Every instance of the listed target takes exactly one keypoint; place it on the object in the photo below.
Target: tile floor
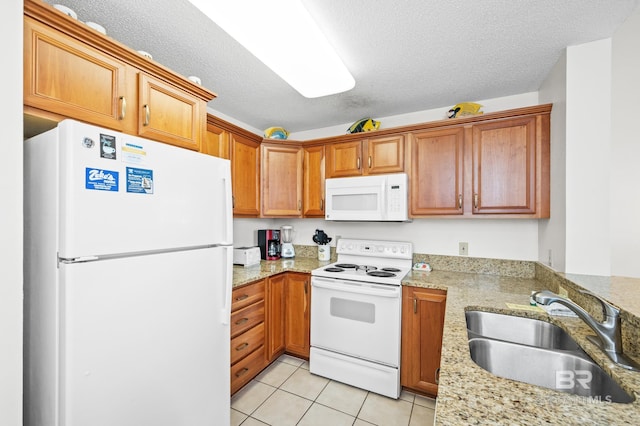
(287, 394)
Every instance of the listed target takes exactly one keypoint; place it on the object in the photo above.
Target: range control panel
(387, 249)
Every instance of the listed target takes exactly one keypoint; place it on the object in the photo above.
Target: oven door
(356, 319)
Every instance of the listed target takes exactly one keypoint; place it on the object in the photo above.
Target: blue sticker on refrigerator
(139, 181)
(101, 179)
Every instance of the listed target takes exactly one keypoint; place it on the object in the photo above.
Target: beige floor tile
(282, 409)
(305, 365)
(291, 360)
(405, 395)
(421, 416)
(342, 397)
(305, 384)
(360, 422)
(319, 415)
(276, 374)
(253, 422)
(425, 401)
(237, 417)
(247, 399)
(385, 411)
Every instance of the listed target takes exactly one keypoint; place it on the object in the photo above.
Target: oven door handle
(390, 291)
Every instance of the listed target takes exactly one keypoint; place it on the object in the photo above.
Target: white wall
(552, 235)
(504, 238)
(11, 217)
(625, 149)
(489, 105)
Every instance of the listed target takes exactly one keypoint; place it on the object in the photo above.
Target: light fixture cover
(282, 34)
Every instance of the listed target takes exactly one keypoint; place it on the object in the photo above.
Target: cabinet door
(297, 303)
(344, 159)
(216, 142)
(275, 316)
(64, 76)
(281, 180)
(437, 172)
(422, 322)
(169, 114)
(245, 176)
(504, 166)
(313, 182)
(384, 155)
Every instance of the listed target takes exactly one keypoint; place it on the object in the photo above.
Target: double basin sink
(540, 353)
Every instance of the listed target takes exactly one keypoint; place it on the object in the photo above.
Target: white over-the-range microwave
(375, 198)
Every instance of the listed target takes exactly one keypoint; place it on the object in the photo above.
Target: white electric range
(356, 314)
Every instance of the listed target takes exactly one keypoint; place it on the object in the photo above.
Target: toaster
(246, 256)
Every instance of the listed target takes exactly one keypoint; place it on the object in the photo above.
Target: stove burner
(391, 269)
(365, 268)
(383, 274)
(334, 269)
(346, 265)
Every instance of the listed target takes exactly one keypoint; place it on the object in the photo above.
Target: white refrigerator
(128, 275)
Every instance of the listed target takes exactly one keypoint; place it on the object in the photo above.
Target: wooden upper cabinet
(344, 159)
(245, 175)
(168, 114)
(69, 78)
(215, 142)
(313, 181)
(436, 177)
(384, 154)
(281, 180)
(504, 166)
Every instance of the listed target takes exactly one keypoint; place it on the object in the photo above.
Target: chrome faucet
(609, 331)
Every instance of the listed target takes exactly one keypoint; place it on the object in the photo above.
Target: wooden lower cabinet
(422, 323)
(297, 314)
(275, 316)
(247, 350)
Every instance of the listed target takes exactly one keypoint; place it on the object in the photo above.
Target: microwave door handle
(383, 198)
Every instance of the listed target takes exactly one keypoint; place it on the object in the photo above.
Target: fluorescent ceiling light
(282, 34)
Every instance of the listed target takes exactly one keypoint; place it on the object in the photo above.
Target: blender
(286, 238)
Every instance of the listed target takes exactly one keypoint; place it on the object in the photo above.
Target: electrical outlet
(550, 258)
(563, 292)
(463, 249)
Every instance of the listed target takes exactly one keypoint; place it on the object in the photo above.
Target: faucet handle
(608, 308)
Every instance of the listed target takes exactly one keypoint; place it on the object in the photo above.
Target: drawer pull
(242, 321)
(242, 372)
(242, 346)
(244, 296)
(438, 376)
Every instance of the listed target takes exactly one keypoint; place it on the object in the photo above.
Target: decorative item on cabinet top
(464, 109)
(276, 133)
(364, 125)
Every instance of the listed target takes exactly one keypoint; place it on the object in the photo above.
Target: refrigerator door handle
(228, 203)
(227, 287)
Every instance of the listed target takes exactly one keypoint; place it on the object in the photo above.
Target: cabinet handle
(123, 108)
(358, 163)
(242, 372)
(244, 296)
(233, 201)
(459, 201)
(321, 203)
(369, 161)
(242, 346)
(299, 205)
(306, 283)
(305, 287)
(147, 115)
(415, 305)
(242, 321)
(475, 200)
(438, 376)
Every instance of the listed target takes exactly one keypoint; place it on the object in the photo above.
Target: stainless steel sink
(526, 331)
(539, 353)
(558, 370)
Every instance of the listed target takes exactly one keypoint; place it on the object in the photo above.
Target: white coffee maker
(286, 244)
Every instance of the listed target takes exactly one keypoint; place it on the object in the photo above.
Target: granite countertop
(467, 394)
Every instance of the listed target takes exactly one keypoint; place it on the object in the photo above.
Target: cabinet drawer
(247, 295)
(247, 342)
(247, 318)
(246, 369)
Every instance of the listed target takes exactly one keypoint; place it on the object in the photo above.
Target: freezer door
(120, 194)
(142, 340)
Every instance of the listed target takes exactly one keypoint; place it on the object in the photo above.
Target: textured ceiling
(405, 55)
